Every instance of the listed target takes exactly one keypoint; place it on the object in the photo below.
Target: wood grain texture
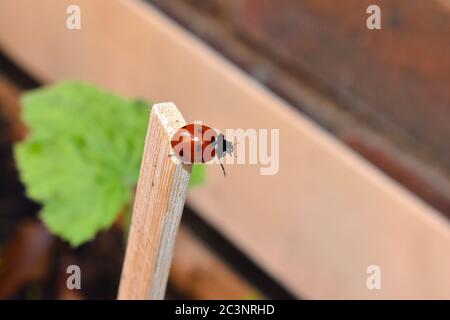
(315, 226)
(158, 205)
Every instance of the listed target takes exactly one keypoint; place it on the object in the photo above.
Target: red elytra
(196, 143)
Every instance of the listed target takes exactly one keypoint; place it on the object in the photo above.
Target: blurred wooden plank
(198, 273)
(329, 214)
(397, 77)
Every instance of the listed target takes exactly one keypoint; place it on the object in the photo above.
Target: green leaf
(82, 158)
(198, 175)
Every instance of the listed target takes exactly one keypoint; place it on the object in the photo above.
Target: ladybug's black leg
(223, 168)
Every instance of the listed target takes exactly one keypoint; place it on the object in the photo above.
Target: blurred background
(364, 119)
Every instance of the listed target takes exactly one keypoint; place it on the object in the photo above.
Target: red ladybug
(197, 143)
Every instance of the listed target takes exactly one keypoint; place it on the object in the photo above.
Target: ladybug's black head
(223, 146)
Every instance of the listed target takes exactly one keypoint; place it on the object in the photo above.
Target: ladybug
(197, 143)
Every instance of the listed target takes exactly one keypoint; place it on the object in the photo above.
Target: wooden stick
(158, 206)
